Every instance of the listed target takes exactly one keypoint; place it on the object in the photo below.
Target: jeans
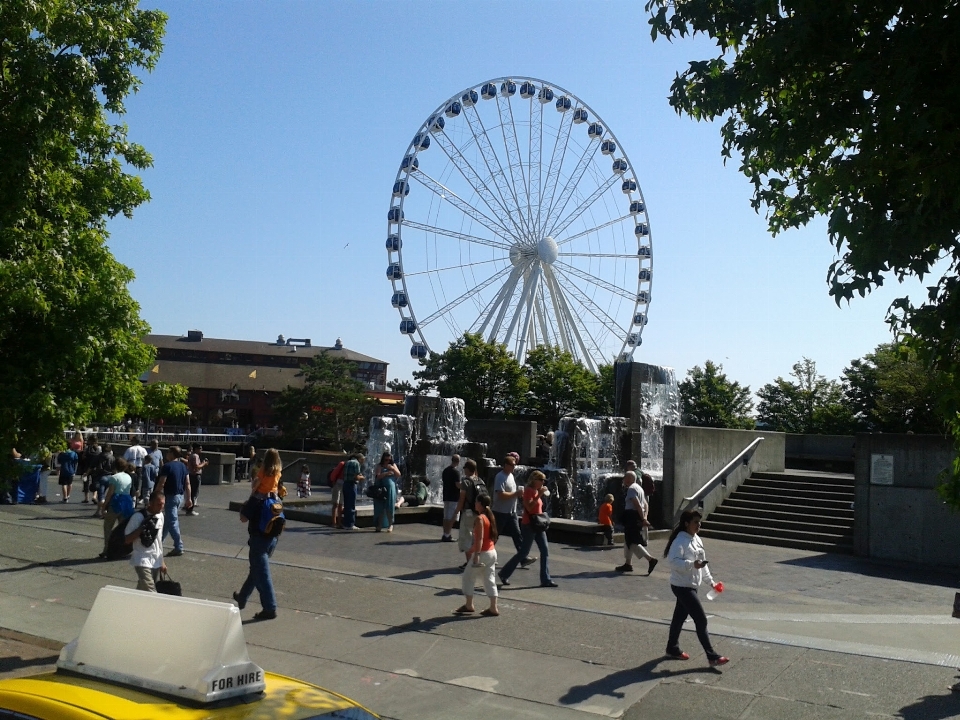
(171, 520)
(689, 604)
(261, 549)
(529, 537)
(509, 524)
(349, 504)
(195, 488)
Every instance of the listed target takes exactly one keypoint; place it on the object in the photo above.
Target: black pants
(194, 488)
(688, 604)
(509, 525)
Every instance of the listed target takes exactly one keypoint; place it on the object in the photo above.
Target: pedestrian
(195, 466)
(533, 494)
(385, 474)
(89, 459)
(144, 531)
(505, 495)
(351, 476)
(469, 489)
(116, 501)
(303, 484)
(420, 493)
(267, 479)
(336, 493)
(134, 457)
(634, 518)
(688, 570)
(150, 472)
(173, 481)
(261, 549)
(484, 564)
(605, 518)
(156, 454)
(451, 496)
(104, 467)
(76, 442)
(67, 460)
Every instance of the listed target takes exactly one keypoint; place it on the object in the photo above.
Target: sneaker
(462, 567)
(528, 561)
(716, 662)
(653, 564)
(446, 538)
(193, 513)
(503, 580)
(624, 568)
(677, 655)
(266, 615)
(175, 553)
(240, 603)
(549, 583)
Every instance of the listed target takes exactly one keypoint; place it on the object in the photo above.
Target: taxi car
(106, 675)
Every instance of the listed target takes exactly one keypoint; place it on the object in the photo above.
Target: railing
(742, 458)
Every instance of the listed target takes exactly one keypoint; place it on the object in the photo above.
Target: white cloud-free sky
(277, 129)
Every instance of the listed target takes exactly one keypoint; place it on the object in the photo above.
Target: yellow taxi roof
(71, 697)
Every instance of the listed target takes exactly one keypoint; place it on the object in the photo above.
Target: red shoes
(719, 661)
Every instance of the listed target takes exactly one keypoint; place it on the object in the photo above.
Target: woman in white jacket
(688, 570)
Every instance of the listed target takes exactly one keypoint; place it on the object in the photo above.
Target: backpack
(646, 482)
(475, 487)
(122, 505)
(117, 547)
(272, 518)
(148, 529)
(336, 473)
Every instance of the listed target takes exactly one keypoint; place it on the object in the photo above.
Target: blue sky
(277, 129)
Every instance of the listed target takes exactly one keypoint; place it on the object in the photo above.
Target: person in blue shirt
(67, 460)
(173, 481)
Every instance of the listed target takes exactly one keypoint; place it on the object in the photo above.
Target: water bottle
(714, 591)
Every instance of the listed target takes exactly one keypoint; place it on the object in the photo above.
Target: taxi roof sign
(205, 664)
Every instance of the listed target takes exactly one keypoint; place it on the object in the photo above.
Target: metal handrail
(742, 458)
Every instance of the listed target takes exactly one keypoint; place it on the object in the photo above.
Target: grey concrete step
(822, 478)
(800, 486)
(790, 521)
(812, 545)
(758, 504)
(779, 532)
(807, 499)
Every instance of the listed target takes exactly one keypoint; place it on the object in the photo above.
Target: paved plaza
(370, 615)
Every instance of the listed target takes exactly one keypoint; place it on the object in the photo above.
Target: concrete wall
(833, 453)
(320, 463)
(503, 436)
(692, 455)
(905, 520)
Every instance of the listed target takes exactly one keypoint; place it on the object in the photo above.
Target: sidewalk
(370, 615)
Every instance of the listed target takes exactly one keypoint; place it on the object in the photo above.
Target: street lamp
(189, 419)
(303, 438)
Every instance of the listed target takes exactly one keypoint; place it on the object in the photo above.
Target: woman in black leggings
(688, 570)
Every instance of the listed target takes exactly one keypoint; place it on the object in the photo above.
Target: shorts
(465, 538)
(336, 493)
(450, 510)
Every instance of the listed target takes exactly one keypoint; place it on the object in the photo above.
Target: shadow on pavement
(409, 542)
(611, 684)
(860, 566)
(60, 563)
(10, 664)
(420, 625)
(933, 707)
(426, 574)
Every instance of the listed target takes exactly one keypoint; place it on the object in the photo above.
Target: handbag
(377, 492)
(539, 523)
(167, 586)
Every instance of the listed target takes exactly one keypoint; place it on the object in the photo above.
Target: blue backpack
(272, 518)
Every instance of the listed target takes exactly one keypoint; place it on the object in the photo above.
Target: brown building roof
(251, 347)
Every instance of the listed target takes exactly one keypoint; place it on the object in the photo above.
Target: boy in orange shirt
(605, 518)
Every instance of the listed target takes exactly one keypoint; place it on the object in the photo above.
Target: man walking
(504, 506)
(261, 549)
(195, 468)
(351, 476)
(144, 531)
(634, 519)
(134, 457)
(451, 496)
(174, 484)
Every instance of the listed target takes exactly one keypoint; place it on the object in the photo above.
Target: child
(268, 477)
(303, 485)
(605, 518)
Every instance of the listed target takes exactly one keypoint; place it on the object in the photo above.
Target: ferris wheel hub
(547, 250)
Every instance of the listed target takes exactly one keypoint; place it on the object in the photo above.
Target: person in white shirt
(634, 518)
(144, 531)
(134, 457)
(688, 570)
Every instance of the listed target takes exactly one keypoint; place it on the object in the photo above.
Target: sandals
(489, 613)
(463, 610)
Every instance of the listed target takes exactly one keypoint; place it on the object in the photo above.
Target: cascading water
(392, 434)
(660, 406)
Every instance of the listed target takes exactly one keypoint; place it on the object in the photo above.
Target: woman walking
(386, 474)
(533, 494)
(688, 570)
(484, 560)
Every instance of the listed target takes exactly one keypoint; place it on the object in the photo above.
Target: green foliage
(810, 404)
(891, 391)
(70, 348)
(558, 385)
(605, 402)
(404, 386)
(484, 374)
(162, 400)
(709, 399)
(330, 405)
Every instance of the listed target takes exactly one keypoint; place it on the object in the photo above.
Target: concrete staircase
(802, 509)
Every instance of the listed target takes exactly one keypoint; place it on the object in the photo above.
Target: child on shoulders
(267, 478)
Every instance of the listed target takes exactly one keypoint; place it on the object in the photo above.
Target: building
(238, 380)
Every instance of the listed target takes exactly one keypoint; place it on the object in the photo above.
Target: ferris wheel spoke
(573, 323)
(473, 178)
(601, 226)
(553, 172)
(562, 225)
(491, 160)
(463, 237)
(444, 193)
(501, 303)
(590, 306)
(619, 256)
(565, 268)
(556, 301)
(524, 307)
(512, 147)
(467, 295)
(573, 181)
(433, 271)
(534, 153)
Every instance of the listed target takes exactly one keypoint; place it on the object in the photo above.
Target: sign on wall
(881, 469)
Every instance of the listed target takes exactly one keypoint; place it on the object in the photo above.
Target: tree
(846, 110)
(558, 385)
(891, 391)
(404, 386)
(331, 404)
(605, 402)
(709, 399)
(810, 405)
(162, 401)
(70, 347)
(484, 374)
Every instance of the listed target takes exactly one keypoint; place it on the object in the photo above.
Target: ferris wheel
(516, 214)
